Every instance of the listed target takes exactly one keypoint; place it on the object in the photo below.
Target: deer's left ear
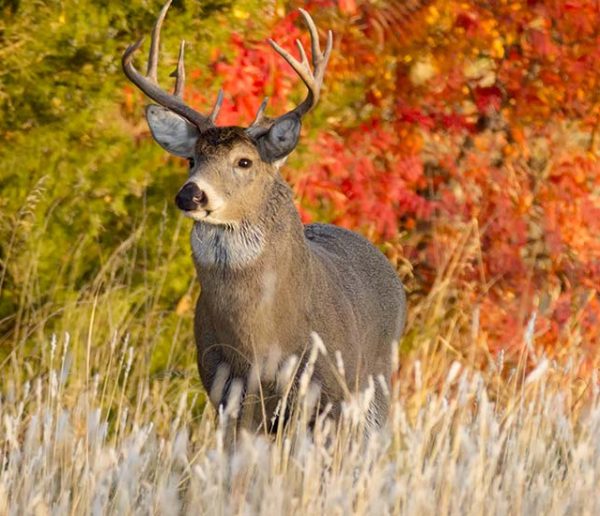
(281, 138)
(172, 132)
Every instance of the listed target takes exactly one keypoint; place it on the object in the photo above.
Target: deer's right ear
(172, 132)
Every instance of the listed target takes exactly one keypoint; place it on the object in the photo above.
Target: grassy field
(88, 427)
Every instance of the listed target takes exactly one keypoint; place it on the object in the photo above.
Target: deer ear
(281, 138)
(172, 132)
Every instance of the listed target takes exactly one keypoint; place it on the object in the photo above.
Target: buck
(268, 282)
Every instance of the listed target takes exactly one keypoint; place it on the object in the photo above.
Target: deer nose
(190, 197)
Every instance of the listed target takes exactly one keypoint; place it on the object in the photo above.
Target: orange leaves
(128, 98)
(347, 6)
(572, 219)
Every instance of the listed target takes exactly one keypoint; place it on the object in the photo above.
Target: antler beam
(149, 83)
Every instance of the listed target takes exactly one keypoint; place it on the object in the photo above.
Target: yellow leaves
(433, 15)
(422, 70)
(497, 49)
(440, 17)
(239, 13)
(539, 23)
(88, 69)
(482, 70)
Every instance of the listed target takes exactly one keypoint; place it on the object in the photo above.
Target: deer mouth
(198, 215)
(208, 217)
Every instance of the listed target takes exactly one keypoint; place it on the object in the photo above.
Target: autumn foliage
(468, 118)
(460, 136)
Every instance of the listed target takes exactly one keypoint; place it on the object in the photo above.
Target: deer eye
(191, 162)
(244, 163)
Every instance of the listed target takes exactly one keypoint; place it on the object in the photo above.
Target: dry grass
(87, 427)
(449, 450)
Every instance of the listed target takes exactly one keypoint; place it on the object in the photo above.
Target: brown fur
(268, 283)
(315, 278)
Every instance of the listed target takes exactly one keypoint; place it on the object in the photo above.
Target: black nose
(190, 197)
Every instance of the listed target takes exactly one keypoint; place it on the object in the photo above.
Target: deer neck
(253, 287)
(262, 240)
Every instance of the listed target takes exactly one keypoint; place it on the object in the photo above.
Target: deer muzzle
(190, 197)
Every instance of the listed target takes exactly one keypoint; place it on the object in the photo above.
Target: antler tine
(149, 84)
(151, 72)
(302, 54)
(260, 114)
(314, 37)
(217, 107)
(328, 48)
(179, 72)
(312, 78)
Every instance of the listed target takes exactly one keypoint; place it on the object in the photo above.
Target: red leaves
(467, 21)
(542, 44)
(416, 116)
(368, 181)
(255, 71)
(495, 128)
(454, 122)
(488, 99)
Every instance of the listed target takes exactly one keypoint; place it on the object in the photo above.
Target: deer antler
(313, 79)
(149, 83)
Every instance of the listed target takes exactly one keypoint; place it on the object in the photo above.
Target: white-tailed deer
(268, 282)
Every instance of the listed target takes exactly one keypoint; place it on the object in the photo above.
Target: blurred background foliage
(460, 136)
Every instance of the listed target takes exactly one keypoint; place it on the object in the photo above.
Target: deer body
(315, 278)
(268, 282)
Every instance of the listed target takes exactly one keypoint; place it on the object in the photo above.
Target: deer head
(230, 167)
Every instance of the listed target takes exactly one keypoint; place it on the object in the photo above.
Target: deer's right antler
(149, 83)
(313, 79)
